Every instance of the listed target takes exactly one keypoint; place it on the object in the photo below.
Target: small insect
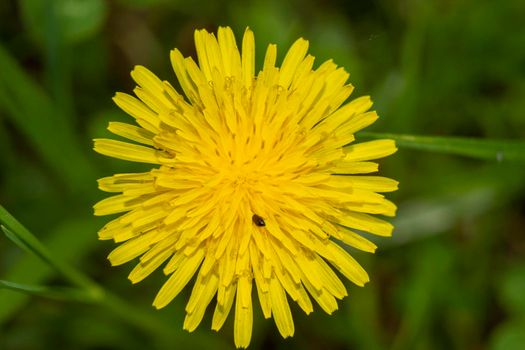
(258, 221)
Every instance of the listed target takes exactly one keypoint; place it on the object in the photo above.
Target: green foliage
(452, 73)
(59, 293)
(19, 235)
(38, 118)
(512, 290)
(500, 150)
(72, 20)
(509, 337)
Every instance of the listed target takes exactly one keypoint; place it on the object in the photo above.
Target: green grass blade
(58, 293)
(15, 231)
(28, 269)
(30, 246)
(492, 149)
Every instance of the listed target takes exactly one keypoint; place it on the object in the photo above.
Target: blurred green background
(453, 275)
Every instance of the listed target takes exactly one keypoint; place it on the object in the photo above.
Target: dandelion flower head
(256, 182)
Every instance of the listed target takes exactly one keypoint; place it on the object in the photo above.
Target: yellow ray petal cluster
(256, 182)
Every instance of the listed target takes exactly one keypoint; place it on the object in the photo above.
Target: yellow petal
(229, 52)
(248, 58)
(144, 116)
(291, 61)
(132, 132)
(203, 291)
(242, 331)
(347, 265)
(127, 151)
(370, 150)
(222, 309)
(117, 204)
(144, 269)
(371, 183)
(178, 280)
(355, 240)
(344, 114)
(131, 249)
(351, 167)
(280, 309)
(366, 223)
(325, 300)
(121, 182)
(179, 66)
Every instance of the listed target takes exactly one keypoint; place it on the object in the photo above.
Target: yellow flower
(255, 181)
